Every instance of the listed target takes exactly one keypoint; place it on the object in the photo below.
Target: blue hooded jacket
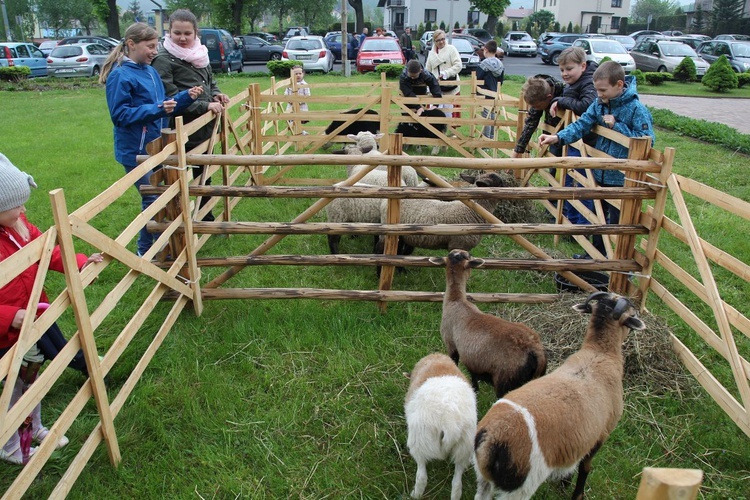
(632, 119)
(135, 94)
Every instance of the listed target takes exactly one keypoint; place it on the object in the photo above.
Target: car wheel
(275, 57)
(662, 69)
(95, 71)
(554, 58)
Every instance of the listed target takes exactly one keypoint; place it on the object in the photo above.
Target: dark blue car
(333, 40)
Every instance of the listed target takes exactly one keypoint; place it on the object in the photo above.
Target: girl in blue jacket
(137, 104)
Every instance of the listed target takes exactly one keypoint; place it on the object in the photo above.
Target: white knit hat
(15, 186)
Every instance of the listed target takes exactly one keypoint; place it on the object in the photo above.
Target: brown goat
(553, 424)
(504, 353)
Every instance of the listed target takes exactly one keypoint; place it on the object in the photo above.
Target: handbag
(448, 88)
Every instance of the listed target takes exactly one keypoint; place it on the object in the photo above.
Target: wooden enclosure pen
(260, 146)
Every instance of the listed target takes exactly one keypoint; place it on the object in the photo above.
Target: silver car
(519, 43)
(664, 56)
(80, 59)
(311, 51)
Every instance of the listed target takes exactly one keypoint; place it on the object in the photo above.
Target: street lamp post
(8, 35)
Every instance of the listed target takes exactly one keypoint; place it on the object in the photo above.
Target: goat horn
(596, 296)
(620, 307)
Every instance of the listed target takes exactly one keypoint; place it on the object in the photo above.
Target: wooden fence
(253, 138)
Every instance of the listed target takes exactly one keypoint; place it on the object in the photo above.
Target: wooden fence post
(669, 484)
(394, 216)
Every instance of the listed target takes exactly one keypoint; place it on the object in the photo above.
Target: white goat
(367, 143)
(441, 416)
(557, 422)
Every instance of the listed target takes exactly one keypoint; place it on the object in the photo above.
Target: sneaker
(15, 457)
(42, 432)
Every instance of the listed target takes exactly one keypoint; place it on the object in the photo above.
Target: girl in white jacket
(444, 62)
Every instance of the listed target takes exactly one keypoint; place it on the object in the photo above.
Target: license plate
(303, 58)
(65, 71)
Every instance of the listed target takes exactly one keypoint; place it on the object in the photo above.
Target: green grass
(304, 399)
(693, 89)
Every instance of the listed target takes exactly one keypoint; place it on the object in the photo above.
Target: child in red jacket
(15, 233)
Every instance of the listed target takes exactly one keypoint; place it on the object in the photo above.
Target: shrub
(720, 76)
(639, 78)
(281, 69)
(685, 71)
(657, 78)
(715, 133)
(420, 29)
(14, 73)
(390, 70)
(605, 59)
(743, 79)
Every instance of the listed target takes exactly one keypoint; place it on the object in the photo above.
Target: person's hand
(94, 257)
(546, 139)
(553, 109)
(222, 98)
(216, 108)
(420, 111)
(195, 91)
(516, 154)
(443, 75)
(18, 319)
(169, 106)
(609, 120)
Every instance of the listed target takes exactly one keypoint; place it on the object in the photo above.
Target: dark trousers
(51, 343)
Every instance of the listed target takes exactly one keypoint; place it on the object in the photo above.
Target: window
(615, 23)
(430, 15)
(23, 51)
(616, 3)
(472, 17)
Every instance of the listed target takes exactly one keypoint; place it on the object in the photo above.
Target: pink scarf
(197, 55)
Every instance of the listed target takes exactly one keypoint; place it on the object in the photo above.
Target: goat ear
(379, 136)
(352, 137)
(407, 374)
(476, 262)
(438, 261)
(468, 178)
(584, 308)
(635, 323)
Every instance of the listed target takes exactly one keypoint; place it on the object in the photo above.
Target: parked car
(23, 54)
(390, 33)
(223, 51)
(378, 50)
(664, 55)
(625, 40)
(80, 59)
(333, 40)
(518, 43)
(469, 58)
(474, 41)
(743, 38)
(257, 49)
(546, 35)
(296, 31)
(672, 33)
(269, 37)
(598, 48)
(47, 46)
(636, 34)
(480, 33)
(738, 53)
(311, 51)
(426, 37)
(108, 42)
(549, 50)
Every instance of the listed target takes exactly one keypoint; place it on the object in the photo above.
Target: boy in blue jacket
(617, 108)
(137, 104)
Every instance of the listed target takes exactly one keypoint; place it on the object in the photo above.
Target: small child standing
(137, 104)
(492, 71)
(617, 108)
(298, 74)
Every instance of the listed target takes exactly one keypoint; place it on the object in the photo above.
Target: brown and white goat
(505, 353)
(441, 417)
(553, 424)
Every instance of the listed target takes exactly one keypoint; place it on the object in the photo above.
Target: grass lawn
(694, 89)
(275, 399)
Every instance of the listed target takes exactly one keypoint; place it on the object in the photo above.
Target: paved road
(731, 112)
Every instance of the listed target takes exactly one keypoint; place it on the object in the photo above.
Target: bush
(390, 70)
(14, 73)
(743, 79)
(720, 76)
(604, 59)
(657, 78)
(282, 69)
(685, 71)
(715, 133)
(640, 79)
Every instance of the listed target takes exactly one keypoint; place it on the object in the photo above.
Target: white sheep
(505, 353)
(441, 417)
(552, 424)
(367, 143)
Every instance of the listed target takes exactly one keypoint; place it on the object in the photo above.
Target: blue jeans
(145, 239)
(488, 130)
(573, 215)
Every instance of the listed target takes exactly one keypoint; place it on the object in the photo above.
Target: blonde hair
(22, 229)
(436, 34)
(575, 55)
(138, 32)
(536, 89)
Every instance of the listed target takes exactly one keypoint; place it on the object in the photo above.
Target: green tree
(726, 16)
(720, 76)
(655, 8)
(15, 8)
(699, 21)
(570, 27)
(685, 71)
(542, 20)
(359, 14)
(198, 7)
(60, 15)
(132, 13)
(106, 11)
(493, 8)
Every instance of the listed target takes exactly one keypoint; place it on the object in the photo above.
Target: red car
(379, 50)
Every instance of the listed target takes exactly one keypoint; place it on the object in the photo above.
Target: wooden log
(669, 484)
(393, 216)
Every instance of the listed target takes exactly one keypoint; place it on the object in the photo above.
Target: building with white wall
(593, 16)
(401, 13)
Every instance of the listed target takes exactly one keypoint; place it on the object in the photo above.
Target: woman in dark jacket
(182, 62)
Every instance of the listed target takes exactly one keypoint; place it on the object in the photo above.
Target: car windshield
(380, 45)
(607, 47)
(677, 50)
(66, 51)
(303, 44)
(624, 39)
(462, 45)
(520, 37)
(741, 49)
